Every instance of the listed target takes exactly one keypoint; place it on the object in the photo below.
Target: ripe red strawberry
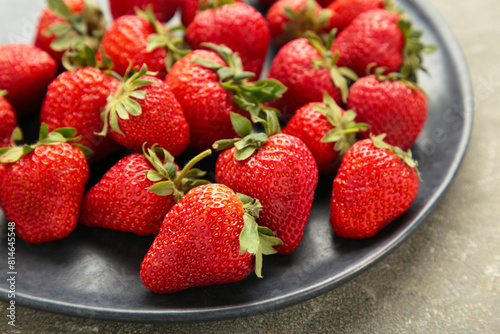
(164, 10)
(238, 26)
(327, 130)
(25, 73)
(75, 99)
(192, 7)
(8, 121)
(209, 237)
(137, 40)
(209, 89)
(308, 70)
(344, 11)
(68, 24)
(279, 171)
(375, 184)
(379, 38)
(43, 186)
(138, 191)
(392, 106)
(144, 110)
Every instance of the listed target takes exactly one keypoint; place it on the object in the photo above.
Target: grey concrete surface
(444, 279)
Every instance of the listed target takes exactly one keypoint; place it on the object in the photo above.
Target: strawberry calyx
(173, 182)
(57, 136)
(378, 141)
(413, 49)
(254, 239)
(250, 96)
(78, 29)
(393, 76)
(85, 57)
(302, 20)
(121, 104)
(340, 75)
(166, 37)
(344, 129)
(213, 4)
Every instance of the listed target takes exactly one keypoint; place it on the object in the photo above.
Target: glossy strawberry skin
(74, 99)
(25, 73)
(198, 244)
(121, 199)
(42, 192)
(206, 104)
(164, 10)
(293, 67)
(372, 37)
(390, 107)
(8, 122)
(372, 188)
(310, 126)
(283, 176)
(345, 11)
(238, 26)
(125, 43)
(46, 20)
(162, 121)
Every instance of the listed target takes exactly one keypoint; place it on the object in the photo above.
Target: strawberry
(137, 40)
(238, 26)
(164, 10)
(25, 73)
(344, 11)
(144, 109)
(43, 186)
(290, 19)
(75, 99)
(391, 105)
(210, 85)
(307, 69)
(192, 7)
(138, 191)
(8, 121)
(275, 168)
(327, 130)
(375, 184)
(69, 24)
(209, 237)
(379, 38)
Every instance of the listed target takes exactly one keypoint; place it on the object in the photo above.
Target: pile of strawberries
(340, 99)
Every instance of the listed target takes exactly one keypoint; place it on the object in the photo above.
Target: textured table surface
(444, 279)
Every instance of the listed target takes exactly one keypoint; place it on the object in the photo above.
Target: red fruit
(295, 67)
(344, 11)
(373, 37)
(391, 106)
(137, 192)
(200, 242)
(125, 43)
(290, 19)
(375, 184)
(144, 110)
(283, 176)
(164, 10)
(192, 7)
(327, 130)
(25, 73)
(56, 43)
(8, 121)
(42, 190)
(238, 26)
(75, 99)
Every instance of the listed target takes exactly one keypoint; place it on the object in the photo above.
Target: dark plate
(95, 272)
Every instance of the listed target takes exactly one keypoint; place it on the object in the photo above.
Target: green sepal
(241, 124)
(163, 188)
(224, 144)
(254, 239)
(249, 144)
(61, 9)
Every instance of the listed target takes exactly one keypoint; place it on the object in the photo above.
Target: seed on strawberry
(43, 185)
(391, 105)
(138, 191)
(209, 237)
(25, 73)
(375, 184)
